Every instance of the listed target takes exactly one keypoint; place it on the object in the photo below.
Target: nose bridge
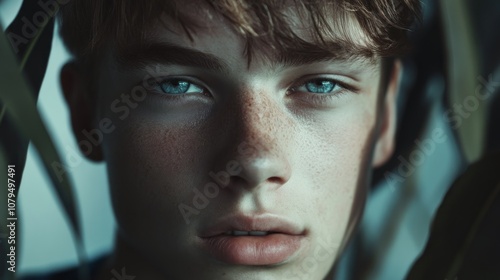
(261, 139)
(259, 119)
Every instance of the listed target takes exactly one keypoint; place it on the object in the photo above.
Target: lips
(253, 240)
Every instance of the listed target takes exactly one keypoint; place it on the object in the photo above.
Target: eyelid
(344, 82)
(305, 87)
(322, 100)
(154, 83)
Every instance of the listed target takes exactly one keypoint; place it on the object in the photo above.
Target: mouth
(253, 240)
(248, 233)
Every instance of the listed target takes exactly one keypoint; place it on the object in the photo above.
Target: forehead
(197, 26)
(218, 48)
(262, 31)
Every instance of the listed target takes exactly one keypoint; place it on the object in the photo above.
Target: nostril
(265, 167)
(276, 180)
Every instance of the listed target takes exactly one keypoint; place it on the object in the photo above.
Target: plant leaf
(463, 71)
(33, 55)
(21, 108)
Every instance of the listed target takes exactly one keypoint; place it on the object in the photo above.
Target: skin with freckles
(303, 136)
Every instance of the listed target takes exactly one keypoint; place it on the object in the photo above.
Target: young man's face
(217, 147)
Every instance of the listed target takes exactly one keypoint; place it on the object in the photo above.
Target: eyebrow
(164, 53)
(170, 54)
(311, 55)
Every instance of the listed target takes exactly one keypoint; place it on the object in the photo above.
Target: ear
(385, 142)
(81, 108)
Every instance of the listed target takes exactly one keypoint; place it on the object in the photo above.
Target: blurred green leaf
(21, 108)
(457, 222)
(462, 75)
(33, 55)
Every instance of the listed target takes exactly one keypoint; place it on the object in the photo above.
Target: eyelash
(316, 98)
(321, 97)
(156, 87)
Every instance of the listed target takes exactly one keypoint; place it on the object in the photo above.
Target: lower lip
(253, 250)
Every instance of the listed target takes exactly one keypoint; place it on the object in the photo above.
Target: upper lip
(241, 222)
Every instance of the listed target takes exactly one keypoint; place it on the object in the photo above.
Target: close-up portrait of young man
(254, 129)
(239, 138)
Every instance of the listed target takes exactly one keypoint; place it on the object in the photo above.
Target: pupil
(175, 86)
(320, 86)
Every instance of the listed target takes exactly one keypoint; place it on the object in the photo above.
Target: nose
(261, 166)
(259, 142)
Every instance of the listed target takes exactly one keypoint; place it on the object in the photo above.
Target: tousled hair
(87, 24)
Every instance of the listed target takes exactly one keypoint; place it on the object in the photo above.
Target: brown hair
(86, 24)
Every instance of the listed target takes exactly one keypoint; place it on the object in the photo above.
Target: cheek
(150, 166)
(338, 162)
(342, 152)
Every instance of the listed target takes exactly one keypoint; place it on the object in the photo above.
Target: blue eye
(178, 86)
(319, 86)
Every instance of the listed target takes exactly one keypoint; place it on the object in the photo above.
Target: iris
(320, 86)
(177, 86)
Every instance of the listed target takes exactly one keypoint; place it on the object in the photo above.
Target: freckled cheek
(339, 159)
